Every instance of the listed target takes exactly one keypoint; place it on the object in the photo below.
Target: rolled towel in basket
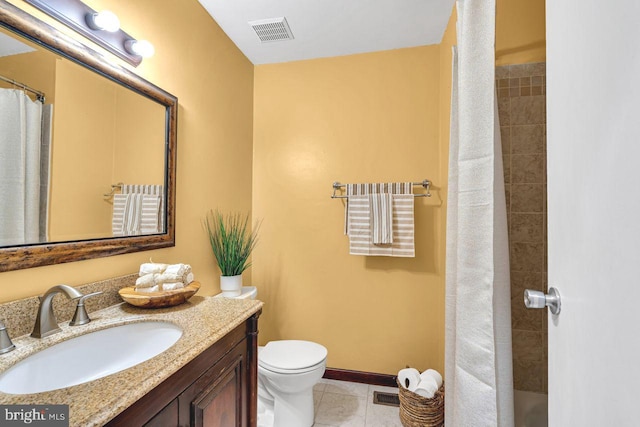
(155, 288)
(432, 373)
(172, 286)
(409, 378)
(188, 278)
(151, 268)
(167, 278)
(178, 269)
(427, 387)
(146, 281)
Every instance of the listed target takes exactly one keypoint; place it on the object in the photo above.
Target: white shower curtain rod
(39, 95)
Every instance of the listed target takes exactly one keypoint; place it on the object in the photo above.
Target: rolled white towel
(178, 269)
(172, 286)
(409, 378)
(427, 387)
(146, 281)
(151, 268)
(167, 278)
(155, 288)
(432, 373)
(188, 279)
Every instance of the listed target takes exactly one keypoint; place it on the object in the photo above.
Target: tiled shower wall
(522, 111)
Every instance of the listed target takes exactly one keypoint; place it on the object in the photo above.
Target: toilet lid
(291, 354)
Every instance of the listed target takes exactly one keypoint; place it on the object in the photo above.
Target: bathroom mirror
(107, 132)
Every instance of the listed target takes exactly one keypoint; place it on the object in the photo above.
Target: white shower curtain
(478, 367)
(20, 141)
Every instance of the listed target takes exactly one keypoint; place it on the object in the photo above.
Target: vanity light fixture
(103, 20)
(141, 48)
(102, 28)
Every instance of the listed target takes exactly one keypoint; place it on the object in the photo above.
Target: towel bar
(426, 184)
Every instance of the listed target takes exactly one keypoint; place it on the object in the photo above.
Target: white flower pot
(231, 286)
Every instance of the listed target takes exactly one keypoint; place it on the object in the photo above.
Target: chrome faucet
(5, 341)
(46, 323)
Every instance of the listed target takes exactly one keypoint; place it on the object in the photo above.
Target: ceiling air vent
(272, 30)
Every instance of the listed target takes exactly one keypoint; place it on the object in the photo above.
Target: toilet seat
(291, 356)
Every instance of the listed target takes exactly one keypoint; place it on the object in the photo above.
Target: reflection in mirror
(87, 150)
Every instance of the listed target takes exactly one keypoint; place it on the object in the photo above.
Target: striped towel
(127, 214)
(149, 214)
(152, 190)
(360, 230)
(373, 188)
(381, 210)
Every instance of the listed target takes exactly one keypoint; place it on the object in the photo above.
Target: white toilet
(287, 372)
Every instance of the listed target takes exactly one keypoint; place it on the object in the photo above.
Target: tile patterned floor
(346, 404)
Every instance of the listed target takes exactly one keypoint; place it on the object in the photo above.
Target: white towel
(178, 269)
(151, 268)
(155, 288)
(146, 281)
(172, 286)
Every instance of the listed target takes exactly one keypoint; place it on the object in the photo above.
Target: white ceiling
(324, 28)
(10, 46)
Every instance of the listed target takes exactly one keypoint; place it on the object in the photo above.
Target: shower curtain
(478, 366)
(20, 164)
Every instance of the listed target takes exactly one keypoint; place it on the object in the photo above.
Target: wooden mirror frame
(28, 256)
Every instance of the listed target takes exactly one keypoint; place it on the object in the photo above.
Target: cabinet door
(219, 398)
(221, 404)
(165, 418)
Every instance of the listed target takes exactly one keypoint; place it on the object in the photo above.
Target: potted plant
(232, 242)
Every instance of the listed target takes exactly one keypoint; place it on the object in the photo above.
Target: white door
(593, 116)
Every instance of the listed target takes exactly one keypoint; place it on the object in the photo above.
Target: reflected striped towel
(152, 190)
(149, 214)
(127, 214)
(360, 230)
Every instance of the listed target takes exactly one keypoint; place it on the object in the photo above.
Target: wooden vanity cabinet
(216, 389)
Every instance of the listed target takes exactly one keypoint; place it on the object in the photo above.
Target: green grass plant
(232, 241)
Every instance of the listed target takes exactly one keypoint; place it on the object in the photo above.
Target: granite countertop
(204, 320)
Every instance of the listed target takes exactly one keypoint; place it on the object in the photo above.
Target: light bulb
(140, 47)
(103, 20)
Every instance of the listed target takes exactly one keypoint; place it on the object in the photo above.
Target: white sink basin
(89, 357)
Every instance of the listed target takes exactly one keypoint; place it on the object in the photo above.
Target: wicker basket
(418, 411)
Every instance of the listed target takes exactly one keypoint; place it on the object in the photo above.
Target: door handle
(537, 299)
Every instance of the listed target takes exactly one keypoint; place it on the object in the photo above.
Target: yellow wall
(363, 118)
(83, 130)
(520, 31)
(34, 69)
(213, 81)
(118, 134)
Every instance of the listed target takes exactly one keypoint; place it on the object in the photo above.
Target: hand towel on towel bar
(373, 188)
(381, 209)
(360, 232)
